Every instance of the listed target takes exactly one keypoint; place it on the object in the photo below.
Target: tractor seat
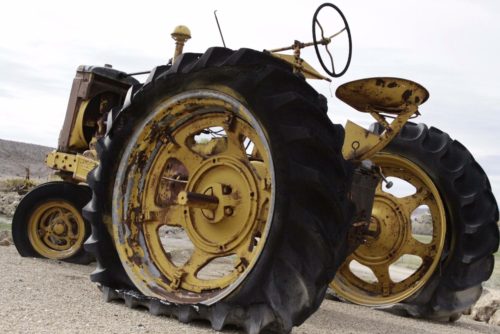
(382, 94)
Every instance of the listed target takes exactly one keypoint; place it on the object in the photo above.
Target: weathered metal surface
(191, 154)
(302, 66)
(89, 83)
(382, 94)
(377, 96)
(77, 164)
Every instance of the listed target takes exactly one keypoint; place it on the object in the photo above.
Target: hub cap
(56, 229)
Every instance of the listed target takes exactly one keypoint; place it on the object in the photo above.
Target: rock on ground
(5, 238)
(487, 307)
(8, 203)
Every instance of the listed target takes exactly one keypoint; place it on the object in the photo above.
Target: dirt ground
(42, 296)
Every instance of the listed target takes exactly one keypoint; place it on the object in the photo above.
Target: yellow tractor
(219, 189)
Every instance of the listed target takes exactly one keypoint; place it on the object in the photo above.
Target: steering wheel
(325, 40)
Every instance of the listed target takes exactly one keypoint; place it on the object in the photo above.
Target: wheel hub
(386, 233)
(227, 224)
(58, 227)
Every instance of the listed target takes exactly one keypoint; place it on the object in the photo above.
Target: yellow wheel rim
(194, 204)
(390, 240)
(56, 229)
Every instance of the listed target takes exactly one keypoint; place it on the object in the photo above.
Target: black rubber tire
(472, 216)
(307, 240)
(77, 195)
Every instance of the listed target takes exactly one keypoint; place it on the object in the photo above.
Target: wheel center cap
(231, 187)
(58, 228)
(386, 232)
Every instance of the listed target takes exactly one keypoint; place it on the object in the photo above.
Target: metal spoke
(331, 58)
(321, 28)
(381, 272)
(189, 159)
(410, 203)
(338, 33)
(414, 247)
(173, 215)
(70, 234)
(196, 262)
(48, 238)
(235, 141)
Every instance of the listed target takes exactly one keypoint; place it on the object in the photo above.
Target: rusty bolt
(226, 190)
(228, 211)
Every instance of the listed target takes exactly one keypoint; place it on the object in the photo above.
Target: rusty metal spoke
(190, 159)
(409, 203)
(414, 247)
(381, 272)
(173, 215)
(196, 262)
(235, 139)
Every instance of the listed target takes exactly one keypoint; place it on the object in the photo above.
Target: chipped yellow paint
(77, 164)
(399, 98)
(307, 70)
(221, 202)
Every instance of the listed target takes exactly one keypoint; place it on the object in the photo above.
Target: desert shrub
(16, 184)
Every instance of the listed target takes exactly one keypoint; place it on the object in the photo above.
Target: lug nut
(228, 211)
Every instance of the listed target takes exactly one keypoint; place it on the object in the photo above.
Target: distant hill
(16, 156)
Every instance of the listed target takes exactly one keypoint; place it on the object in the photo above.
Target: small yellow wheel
(395, 261)
(55, 229)
(48, 223)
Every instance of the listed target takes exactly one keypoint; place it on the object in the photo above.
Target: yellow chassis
(77, 164)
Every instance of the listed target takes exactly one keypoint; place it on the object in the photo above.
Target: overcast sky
(450, 47)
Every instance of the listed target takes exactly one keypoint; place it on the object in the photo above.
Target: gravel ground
(42, 296)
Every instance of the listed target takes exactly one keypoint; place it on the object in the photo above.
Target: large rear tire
(48, 223)
(455, 258)
(279, 217)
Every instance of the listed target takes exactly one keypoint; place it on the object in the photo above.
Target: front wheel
(431, 238)
(48, 223)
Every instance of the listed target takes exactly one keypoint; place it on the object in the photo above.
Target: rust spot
(406, 95)
(380, 82)
(137, 260)
(392, 85)
(168, 188)
(236, 195)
